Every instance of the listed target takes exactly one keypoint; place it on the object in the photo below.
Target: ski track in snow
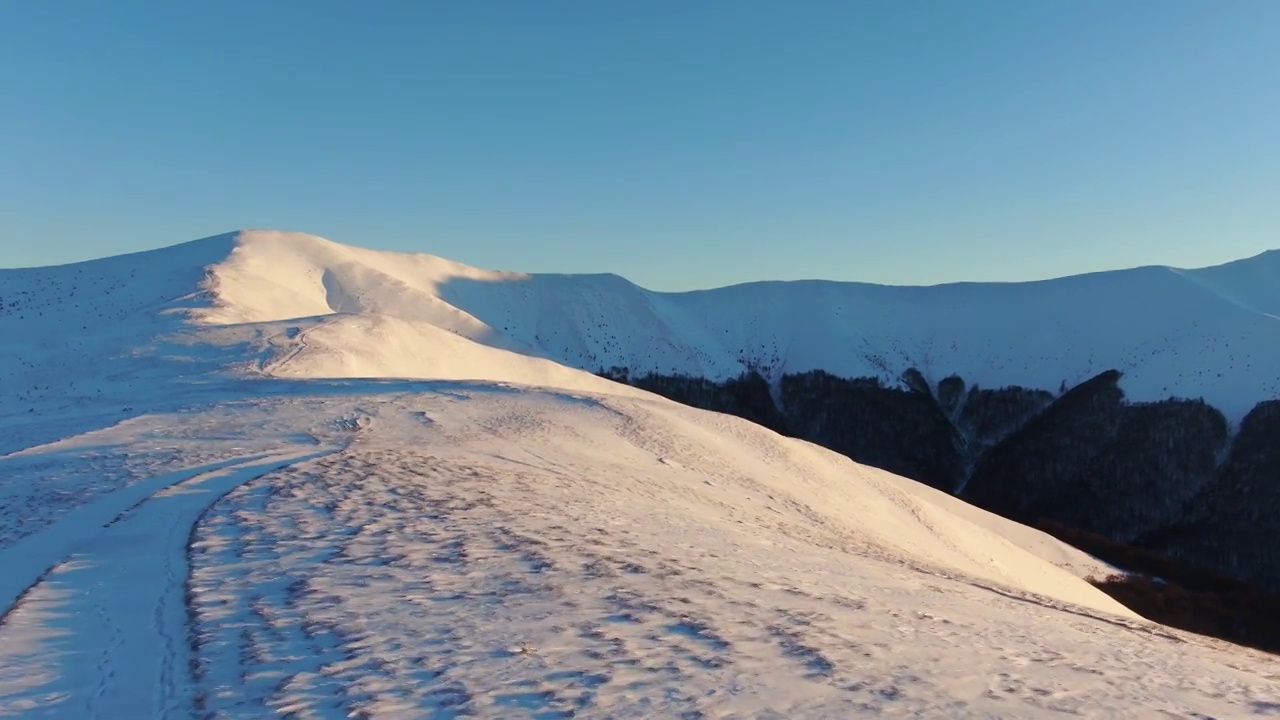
(95, 634)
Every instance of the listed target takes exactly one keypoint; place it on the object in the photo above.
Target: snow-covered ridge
(302, 306)
(1208, 333)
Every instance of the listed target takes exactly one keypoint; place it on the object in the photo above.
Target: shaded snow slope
(66, 330)
(471, 549)
(1186, 333)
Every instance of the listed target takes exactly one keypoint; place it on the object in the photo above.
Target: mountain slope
(1207, 333)
(165, 329)
(1192, 333)
(461, 548)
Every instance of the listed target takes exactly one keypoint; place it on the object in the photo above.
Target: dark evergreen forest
(1163, 485)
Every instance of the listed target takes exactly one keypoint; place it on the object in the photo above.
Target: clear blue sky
(682, 144)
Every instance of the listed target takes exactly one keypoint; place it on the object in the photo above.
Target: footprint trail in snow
(101, 632)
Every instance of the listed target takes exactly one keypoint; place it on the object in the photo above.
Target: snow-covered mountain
(223, 498)
(353, 312)
(1186, 333)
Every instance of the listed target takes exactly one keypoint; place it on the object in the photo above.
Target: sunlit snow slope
(144, 330)
(1185, 333)
(454, 549)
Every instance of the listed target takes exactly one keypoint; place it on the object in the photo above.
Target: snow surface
(467, 548)
(205, 512)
